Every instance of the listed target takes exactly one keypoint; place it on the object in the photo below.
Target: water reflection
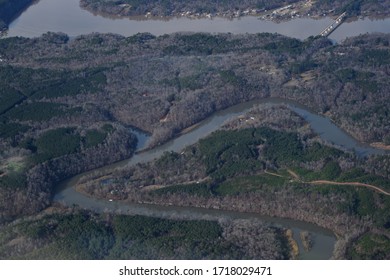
(68, 17)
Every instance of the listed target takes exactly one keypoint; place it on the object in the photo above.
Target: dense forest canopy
(68, 106)
(82, 90)
(267, 161)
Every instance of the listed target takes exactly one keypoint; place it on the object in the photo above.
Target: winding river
(68, 17)
(324, 239)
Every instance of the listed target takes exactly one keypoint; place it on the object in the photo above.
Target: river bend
(324, 239)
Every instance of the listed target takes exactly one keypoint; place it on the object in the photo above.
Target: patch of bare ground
(353, 184)
(296, 177)
(292, 173)
(380, 145)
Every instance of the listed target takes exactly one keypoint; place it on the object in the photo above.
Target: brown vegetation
(95, 80)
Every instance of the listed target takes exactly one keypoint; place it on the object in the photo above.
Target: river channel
(67, 16)
(324, 127)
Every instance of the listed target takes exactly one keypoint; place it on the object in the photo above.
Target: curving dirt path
(292, 173)
(274, 174)
(326, 182)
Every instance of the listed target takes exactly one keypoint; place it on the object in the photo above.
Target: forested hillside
(280, 9)
(180, 7)
(82, 235)
(269, 162)
(67, 106)
(54, 88)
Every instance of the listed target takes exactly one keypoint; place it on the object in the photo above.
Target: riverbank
(291, 205)
(381, 145)
(276, 10)
(72, 233)
(194, 9)
(322, 249)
